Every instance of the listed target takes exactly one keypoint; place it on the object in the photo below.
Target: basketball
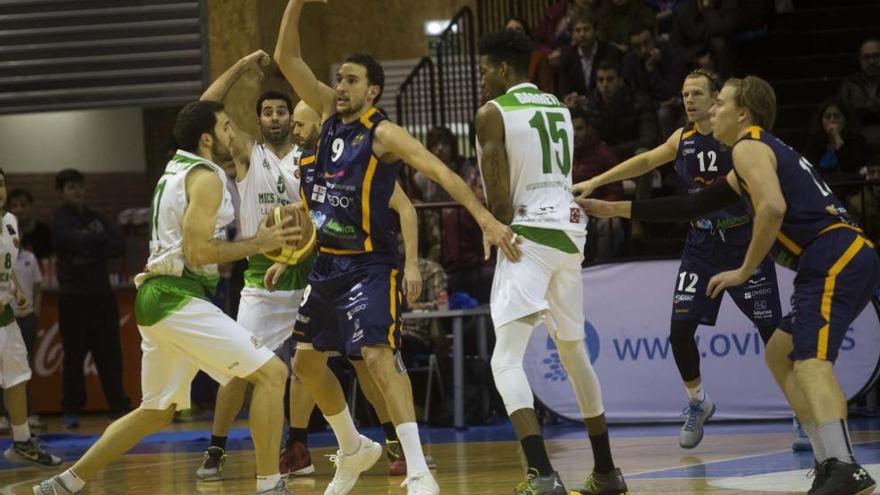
(297, 217)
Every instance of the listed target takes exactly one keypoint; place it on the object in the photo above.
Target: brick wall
(109, 193)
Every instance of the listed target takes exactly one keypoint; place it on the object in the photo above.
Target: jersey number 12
(548, 126)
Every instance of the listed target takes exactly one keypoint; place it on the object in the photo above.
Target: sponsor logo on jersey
(319, 193)
(357, 139)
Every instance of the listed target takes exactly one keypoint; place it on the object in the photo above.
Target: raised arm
(204, 190)
(288, 56)
(757, 166)
(634, 167)
(394, 140)
(493, 162)
(217, 91)
(409, 230)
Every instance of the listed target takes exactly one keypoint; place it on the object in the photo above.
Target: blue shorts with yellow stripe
(351, 301)
(837, 275)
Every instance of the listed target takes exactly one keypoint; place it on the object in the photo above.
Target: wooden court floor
(654, 464)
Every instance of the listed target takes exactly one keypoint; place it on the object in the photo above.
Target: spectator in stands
(702, 26)
(576, 74)
(88, 316)
(35, 235)
(862, 91)
(540, 72)
(444, 145)
(865, 205)
(463, 251)
(624, 118)
(424, 335)
(592, 157)
(555, 29)
(617, 18)
(656, 68)
(664, 11)
(836, 145)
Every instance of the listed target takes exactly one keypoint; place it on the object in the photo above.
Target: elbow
(775, 210)
(193, 255)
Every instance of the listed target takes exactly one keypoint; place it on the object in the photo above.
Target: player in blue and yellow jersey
(352, 302)
(716, 242)
(799, 221)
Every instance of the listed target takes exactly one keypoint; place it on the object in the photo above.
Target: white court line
(650, 471)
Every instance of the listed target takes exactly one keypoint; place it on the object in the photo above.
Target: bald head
(306, 125)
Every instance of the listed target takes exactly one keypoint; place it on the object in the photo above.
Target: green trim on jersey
(295, 278)
(7, 316)
(556, 239)
(527, 97)
(162, 295)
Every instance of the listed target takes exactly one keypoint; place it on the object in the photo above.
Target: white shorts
(196, 337)
(269, 315)
(546, 281)
(14, 368)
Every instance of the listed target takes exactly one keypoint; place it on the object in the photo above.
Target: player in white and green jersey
(182, 331)
(265, 178)
(525, 142)
(15, 372)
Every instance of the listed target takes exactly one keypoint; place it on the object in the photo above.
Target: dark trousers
(90, 323)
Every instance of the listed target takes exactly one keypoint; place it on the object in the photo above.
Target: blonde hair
(756, 95)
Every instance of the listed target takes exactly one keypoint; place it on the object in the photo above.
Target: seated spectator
(424, 335)
(443, 144)
(862, 91)
(555, 29)
(540, 72)
(865, 206)
(706, 25)
(836, 146)
(624, 118)
(36, 236)
(664, 10)
(617, 18)
(576, 74)
(592, 157)
(656, 68)
(463, 251)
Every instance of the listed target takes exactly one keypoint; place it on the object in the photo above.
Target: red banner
(48, 353)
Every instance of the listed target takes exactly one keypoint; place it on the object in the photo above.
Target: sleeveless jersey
(166, 224)
(9, 245)
(811, 207)
(270, 181)
(539, 140)
(702, 161)
(347, 189)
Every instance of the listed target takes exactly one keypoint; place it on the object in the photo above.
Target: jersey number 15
(549, 129)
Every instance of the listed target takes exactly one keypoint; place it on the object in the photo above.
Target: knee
(307, 365)
(502, 362)
(571, 349)
(373, 358)
(157, 418)
(272, 374)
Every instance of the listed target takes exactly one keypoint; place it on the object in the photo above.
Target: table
(458, 315)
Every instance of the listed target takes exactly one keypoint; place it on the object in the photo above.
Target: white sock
(835, 438)
(816, 441)
(346, 434)
(21, 433)
(408, 434)
(267, 482)
(71, 481)
(696, 392)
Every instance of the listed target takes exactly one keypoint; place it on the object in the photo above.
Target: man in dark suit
(576, 73)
